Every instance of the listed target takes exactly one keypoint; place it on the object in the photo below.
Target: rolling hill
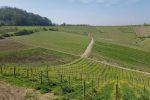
(13, 16)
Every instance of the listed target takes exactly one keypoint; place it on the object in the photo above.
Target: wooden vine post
(144, 89)
(1, 69)
(69, 81)
(47, 76)
(61, 78)
(14, 71)
(27, 72)
(84, 88)
(41, 77)
(92, 85)
(98, 81)
(117, 90)
(81, 76)
(31, 70)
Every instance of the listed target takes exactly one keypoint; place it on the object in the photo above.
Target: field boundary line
(47, 48)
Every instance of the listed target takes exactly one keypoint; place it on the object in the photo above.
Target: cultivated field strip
(100, 79)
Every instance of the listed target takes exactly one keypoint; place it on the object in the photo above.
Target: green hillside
(125, 56)
(59, 41)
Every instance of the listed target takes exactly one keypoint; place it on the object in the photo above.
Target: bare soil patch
(11, 45)
(8, 92)
(143, 32)
(28, 59)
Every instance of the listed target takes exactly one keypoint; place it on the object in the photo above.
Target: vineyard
(83, 78)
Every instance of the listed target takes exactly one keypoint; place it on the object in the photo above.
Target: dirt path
(88, 50)
(8, 92)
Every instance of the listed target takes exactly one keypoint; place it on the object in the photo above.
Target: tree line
(17, 17)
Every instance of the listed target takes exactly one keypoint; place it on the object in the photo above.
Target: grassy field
(59, 41)
(123, 35)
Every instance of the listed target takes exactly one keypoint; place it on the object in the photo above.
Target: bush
(16, 29)
(67, 89)
(5, 35)
(45, 29)
(1, 37)
(23, 32)
(36, 30)
(43, 88)
(53, 29)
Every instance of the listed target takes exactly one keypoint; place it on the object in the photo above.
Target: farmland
(60, 41)
(67, 80)
(48, 60)
(126, 56)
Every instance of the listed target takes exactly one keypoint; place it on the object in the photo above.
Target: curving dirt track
(88, 51)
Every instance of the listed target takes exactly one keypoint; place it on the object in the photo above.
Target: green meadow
(59, 41)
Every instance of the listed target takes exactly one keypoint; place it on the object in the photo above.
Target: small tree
(63, 24)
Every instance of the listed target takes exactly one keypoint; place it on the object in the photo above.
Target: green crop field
(59, 41)
(129, 57)
(81, 79)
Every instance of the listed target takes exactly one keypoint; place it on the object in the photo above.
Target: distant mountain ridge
(18, 17)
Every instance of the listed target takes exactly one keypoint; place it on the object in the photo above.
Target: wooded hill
(18, 17)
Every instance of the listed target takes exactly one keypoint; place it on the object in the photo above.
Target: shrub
(45, 29)
(23, 32)
(43, 88)
(53, 29)
(36, 30)
(1, 37)
(16, 28)
(67, 89)
(5, 35)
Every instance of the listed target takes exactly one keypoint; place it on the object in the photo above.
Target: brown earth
(28, 59)
(8, 92)
(143, 31)
(11, 45)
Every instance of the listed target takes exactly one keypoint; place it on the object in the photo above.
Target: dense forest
(18, 17)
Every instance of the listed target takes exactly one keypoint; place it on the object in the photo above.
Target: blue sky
(94, 12)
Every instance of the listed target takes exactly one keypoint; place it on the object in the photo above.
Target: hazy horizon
(92, 12)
